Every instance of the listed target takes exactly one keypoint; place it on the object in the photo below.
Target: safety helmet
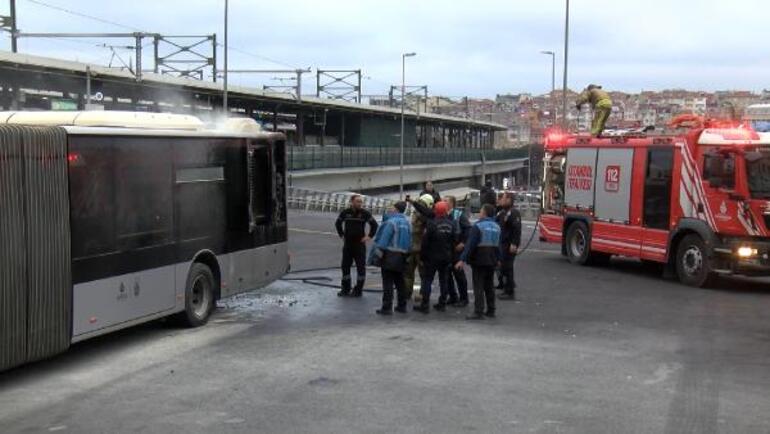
(427, 200)
(441, 208)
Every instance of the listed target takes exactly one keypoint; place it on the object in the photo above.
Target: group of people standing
(438, 241)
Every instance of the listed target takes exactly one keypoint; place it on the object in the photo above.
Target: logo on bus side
(612, 179)
(122, 294)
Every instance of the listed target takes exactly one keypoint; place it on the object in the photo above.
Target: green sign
(63, 105)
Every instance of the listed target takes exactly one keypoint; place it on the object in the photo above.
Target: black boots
(345, 291)
(358, 290)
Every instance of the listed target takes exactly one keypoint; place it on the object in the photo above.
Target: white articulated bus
(111, 219)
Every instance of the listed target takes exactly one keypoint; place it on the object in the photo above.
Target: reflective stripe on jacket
(483, 247)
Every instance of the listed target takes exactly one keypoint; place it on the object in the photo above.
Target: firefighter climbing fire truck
(697, 202)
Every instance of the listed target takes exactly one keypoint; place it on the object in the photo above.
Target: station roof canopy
(26, 63)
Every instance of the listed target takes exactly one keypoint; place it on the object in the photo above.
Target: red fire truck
(698, 203)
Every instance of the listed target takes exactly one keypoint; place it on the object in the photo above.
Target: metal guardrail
(304, 199)
(313, 157)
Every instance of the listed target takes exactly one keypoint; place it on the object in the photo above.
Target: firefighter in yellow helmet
(423, 212)
(600, 103)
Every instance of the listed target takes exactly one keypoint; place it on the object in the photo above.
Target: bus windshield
(758, 168)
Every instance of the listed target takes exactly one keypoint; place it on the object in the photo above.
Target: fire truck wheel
(692, 262)
(578, 248)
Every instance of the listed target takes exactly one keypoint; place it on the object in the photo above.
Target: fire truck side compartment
(580, 178)
(613, 189)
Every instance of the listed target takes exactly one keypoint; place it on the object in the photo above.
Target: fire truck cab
(699, 202)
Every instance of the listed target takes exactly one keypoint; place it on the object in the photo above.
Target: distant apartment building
(527, 115)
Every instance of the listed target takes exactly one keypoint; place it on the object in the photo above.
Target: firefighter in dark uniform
(509, 221)
(351, 227)
(438, 243)
(482, 252)
(458, 294)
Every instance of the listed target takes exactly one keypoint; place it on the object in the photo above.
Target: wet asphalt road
(585, 350)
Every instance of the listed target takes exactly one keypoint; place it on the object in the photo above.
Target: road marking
(310, 231)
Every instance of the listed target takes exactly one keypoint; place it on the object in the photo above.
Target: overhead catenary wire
(76, 13)
(136, 29)
(83, 15)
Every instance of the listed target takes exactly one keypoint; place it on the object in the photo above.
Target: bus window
(144, 180)
(260, 185)
(279, 199)
(92, 195)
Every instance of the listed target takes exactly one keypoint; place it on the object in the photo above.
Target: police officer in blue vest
(482, 252)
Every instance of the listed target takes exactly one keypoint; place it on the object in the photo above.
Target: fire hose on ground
(318, 280)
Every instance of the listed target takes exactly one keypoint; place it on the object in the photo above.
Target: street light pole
(553, 83)
(14, 29)
(566, 57)
(403, 94)
(224, 76)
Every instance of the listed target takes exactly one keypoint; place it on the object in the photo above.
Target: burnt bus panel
(580, 177)
(613, 184)
(35, 282)
(13, 277)
(49, 281)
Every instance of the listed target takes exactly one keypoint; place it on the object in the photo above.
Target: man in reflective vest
(482, 252)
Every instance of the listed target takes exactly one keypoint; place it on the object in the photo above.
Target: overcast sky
(478, 48)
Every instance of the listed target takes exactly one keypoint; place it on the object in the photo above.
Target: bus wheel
(692, 262)
(199, 296)
(578, 249)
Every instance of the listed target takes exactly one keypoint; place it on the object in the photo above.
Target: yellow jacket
(596, 97)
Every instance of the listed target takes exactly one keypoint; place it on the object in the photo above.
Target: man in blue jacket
(391, 247)
(482, 252)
